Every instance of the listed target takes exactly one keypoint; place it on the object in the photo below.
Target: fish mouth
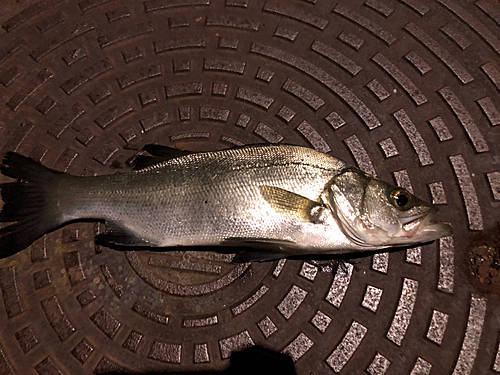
(412, 225)
(422, 226)
(435, 230)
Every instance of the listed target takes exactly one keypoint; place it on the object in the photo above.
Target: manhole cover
(407, 90)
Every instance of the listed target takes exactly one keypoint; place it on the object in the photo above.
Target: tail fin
(26, 203)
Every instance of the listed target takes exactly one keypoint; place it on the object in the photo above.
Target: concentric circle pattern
(407, 90)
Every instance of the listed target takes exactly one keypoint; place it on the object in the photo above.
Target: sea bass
(280, 200)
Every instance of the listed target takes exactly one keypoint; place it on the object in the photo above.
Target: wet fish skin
(208, 198)
(280, 199)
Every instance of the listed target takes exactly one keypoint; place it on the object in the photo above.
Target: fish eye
(400, 198)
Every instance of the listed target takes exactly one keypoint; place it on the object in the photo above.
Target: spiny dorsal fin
(290, 204)
(165, 151)
(159, 155)
(145, 161)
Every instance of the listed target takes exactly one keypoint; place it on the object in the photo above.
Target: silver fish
(281, 200)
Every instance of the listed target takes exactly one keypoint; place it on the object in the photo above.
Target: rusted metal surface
(407, 90)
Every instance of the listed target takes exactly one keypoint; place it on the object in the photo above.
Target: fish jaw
(423, 228)
(411, 226)
(435, 230)
(420, 230)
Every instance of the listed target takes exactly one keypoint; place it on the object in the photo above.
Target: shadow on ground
(255, 361)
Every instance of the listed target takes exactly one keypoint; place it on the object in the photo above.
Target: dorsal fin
(159, 154)
(165, 151)
(144, 161)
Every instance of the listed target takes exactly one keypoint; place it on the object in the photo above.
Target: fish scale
(289, 200)
(227, 180)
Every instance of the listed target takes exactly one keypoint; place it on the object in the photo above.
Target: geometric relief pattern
(406, 90)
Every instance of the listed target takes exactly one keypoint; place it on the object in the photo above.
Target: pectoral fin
(290, 204)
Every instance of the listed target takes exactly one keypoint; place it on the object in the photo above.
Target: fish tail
(26, 203)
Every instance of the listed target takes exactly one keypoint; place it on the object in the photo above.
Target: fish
(277, 200)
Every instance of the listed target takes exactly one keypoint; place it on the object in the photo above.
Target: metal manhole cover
(407, 90)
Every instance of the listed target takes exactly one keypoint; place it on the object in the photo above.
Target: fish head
(375, 214)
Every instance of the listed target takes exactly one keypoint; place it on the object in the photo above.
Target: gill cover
(346, 195)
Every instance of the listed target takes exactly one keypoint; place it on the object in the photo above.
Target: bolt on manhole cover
(406, 90)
